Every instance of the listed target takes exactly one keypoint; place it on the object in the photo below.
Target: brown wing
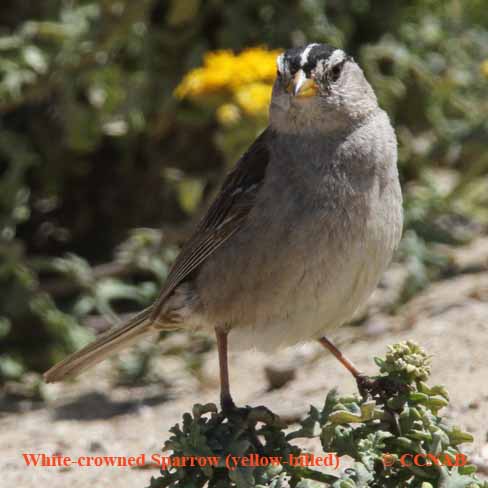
(224, 217)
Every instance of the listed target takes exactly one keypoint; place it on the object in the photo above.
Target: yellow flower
(254, 98)
(215, 75)
(484, 68)
(228, 114)
(224, 71)
(254, 65)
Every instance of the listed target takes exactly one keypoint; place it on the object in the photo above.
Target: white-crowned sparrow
(301, 230)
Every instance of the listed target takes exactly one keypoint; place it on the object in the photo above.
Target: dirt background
(92, 417)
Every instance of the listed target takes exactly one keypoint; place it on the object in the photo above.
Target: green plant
(371, 431)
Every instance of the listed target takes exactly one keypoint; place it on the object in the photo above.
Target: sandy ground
(91, 417)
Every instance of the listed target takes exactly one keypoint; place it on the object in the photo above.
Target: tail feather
(105, 345)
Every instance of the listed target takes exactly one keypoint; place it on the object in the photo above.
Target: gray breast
(323, 229)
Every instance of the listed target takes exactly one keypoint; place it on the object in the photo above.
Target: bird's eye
(335, 72)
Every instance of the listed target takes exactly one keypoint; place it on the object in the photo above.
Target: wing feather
(224, 217)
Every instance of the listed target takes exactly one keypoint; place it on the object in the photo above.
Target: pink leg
(226, 401)
(338, 354)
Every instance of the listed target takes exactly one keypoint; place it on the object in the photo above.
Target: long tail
(108, 343)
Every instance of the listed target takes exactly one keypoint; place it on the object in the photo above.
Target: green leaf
(457, 436)
(190, 192)
(242, 477)
(35, 58)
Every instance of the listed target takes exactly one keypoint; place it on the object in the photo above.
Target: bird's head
(319, 88)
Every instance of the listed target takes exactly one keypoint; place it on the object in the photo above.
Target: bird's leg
(343, 360)
(365, 384)
(380, 387)
(226, 401)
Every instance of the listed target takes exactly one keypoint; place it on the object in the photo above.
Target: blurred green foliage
(95, 150)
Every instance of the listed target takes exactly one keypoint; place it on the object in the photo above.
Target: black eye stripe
(336, 70)
(294, 65)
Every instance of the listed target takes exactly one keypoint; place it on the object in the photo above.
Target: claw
(380, 387)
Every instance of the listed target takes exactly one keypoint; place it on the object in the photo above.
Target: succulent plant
(378, 434)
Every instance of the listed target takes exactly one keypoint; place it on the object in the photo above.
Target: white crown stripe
(280, 61)
(336, 57)
(306, 52)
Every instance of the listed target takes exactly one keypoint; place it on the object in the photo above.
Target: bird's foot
(229, 408)
(232, 412)
(227, 404)
(380, 387)
(248, 413)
